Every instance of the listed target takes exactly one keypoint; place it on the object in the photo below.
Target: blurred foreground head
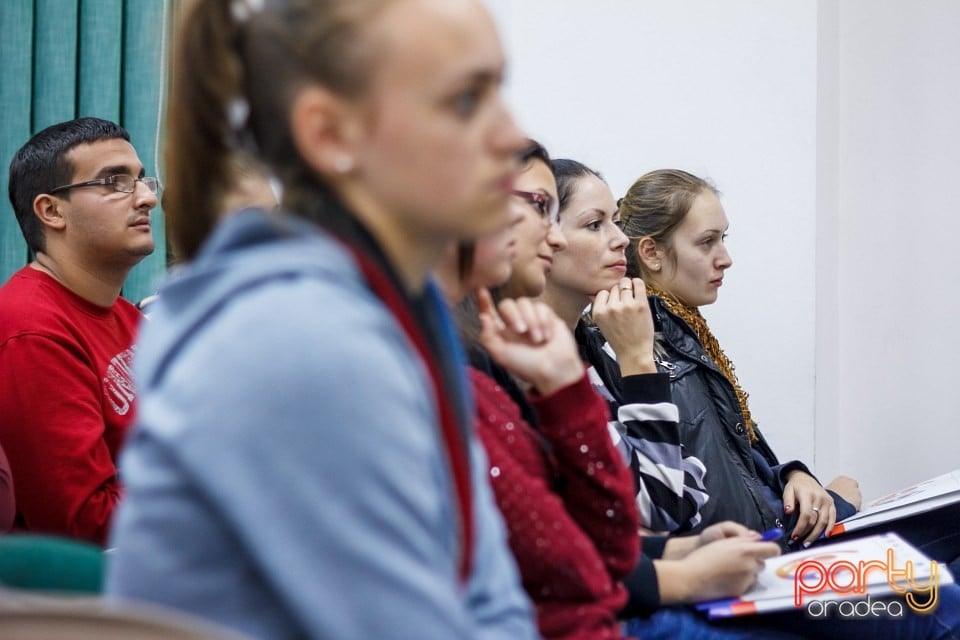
(391, 108)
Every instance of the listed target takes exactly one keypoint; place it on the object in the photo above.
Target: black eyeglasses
(121, 182)
(546, 206)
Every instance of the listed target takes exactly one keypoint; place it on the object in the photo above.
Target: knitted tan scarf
(694, 320)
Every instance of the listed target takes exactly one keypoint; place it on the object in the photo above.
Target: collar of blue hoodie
(246, 249)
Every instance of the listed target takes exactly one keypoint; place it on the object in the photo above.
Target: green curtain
(61, 59)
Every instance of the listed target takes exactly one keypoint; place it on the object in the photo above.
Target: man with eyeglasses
(66, 336)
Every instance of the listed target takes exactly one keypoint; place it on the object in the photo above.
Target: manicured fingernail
(806, 544)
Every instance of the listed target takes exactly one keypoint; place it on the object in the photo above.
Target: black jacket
(745, 483)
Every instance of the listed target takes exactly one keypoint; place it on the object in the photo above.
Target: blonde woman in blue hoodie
(302, 465)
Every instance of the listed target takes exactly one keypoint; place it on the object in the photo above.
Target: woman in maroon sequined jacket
(561, 483)
(567, 499)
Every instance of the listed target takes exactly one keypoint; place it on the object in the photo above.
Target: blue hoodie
(286, 476)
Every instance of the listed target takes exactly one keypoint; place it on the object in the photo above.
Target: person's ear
(47, 210)
(324, 131)
(650, 254)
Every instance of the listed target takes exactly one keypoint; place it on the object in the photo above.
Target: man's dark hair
(41, 165)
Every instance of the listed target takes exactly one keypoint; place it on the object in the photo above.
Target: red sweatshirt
(66, 400)
(568, 502)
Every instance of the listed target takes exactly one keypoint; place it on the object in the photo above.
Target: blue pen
(771, 535)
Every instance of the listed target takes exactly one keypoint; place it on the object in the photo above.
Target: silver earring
(343, 163)
(656, 267)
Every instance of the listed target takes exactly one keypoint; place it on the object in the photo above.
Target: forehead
(89, 159)
(537, 177)
(591, 193)
(706, 214)
(433, 42)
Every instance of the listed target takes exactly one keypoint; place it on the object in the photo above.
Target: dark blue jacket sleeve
(7, 504)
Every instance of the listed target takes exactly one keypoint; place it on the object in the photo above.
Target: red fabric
(573, 542)
(66, 401)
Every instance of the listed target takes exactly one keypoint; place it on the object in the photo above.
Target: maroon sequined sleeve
(596, 485)
(569, 512)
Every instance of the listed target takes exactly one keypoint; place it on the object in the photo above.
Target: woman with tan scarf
(675, 225)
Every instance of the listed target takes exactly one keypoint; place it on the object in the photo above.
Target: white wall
(776, 101)
(725, 90)
(899, 235)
